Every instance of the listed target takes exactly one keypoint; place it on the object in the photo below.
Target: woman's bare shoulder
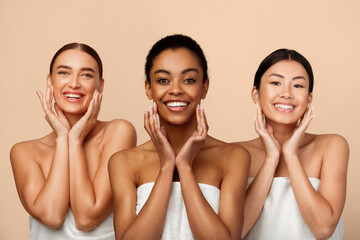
(226, 151)
(116, 126)
(328, 141)
(331, 145)
(131, 156)
(32, 148)
(251, 145)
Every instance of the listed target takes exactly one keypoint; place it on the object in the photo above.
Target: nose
(74, 82)
(286, 92)
(176, 88)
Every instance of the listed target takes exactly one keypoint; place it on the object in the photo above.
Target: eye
(189, 80)
(275, 83)
(162, 81)
(87, 75)
(298, 86)
(63, 73)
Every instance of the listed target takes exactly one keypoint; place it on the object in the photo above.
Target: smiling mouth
(73, 95)
(176, 106)
(284, 107)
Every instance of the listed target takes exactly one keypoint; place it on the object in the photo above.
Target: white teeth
(176, 104)
(284, 106)
(71, 95)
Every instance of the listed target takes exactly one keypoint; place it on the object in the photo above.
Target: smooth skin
(284, 149)
(68, 167)
(179, 150)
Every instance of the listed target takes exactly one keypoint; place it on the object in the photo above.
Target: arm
(90, 199)
(46, 198)
(149, 223)
(259, 188)
(322, 210)
(204, 222)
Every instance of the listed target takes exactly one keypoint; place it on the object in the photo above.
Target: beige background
(235, 36)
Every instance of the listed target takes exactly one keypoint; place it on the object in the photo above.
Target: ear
(48, 80)
(310, 97)
(148, 89)
(101, 86)
(255, 95)
(205, 89)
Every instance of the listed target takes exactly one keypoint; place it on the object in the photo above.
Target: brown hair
(82, 47)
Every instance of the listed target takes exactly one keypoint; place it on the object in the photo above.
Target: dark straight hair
(279, 55)
(175, 41)
(82, 47)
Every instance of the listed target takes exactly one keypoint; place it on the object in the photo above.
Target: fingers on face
(308, 117)
(58, 111)
(202, 126)
(151, 123)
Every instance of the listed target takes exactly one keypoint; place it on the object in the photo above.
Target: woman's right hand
(58, 121)
(266, 133)
(159, 137)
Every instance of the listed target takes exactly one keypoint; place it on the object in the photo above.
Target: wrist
(272, 161)
(167, 167)
(75, 139)
(62, 138)
(288, 157)
(181, 164)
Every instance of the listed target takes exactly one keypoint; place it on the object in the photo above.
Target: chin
(177, 120)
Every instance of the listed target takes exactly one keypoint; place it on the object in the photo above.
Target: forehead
(175, 60)
(287, 68)
(76, 59)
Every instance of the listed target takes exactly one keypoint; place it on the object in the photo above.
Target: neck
(178, 134)
(73, 118)
(282, 132)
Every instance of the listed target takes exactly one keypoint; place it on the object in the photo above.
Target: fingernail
(202, 109)
(198, 106)
(154, 116)
(154, 103)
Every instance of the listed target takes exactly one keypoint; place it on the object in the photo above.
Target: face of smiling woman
(284, 92)
(75, 76)
(176, 85)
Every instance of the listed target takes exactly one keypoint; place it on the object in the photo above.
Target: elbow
(85, 224)
(324, 232)
(53, 221)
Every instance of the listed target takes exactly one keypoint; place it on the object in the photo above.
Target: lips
(284, 107)
(73, 96)
(176, 105)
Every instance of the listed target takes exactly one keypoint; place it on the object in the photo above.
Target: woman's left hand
(82, 128)
(291, 146)
(192, 146)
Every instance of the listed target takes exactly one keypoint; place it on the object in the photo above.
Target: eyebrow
(281, 76)
(82, 69)
(183, 72)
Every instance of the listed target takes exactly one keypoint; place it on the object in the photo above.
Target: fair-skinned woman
(62, 178)
(297, 179)
(181, 184)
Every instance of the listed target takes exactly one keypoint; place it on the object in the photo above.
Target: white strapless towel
(176, 223)
(281, 219)
(68, 230)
